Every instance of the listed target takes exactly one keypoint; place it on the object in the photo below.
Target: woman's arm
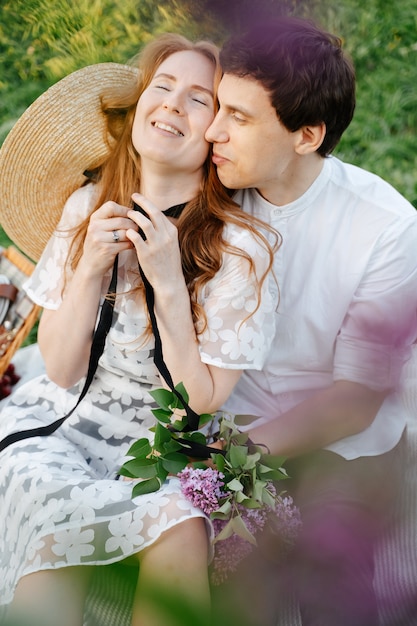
(208, 386)
(65, 335)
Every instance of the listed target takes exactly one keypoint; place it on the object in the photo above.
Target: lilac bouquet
(238, 494)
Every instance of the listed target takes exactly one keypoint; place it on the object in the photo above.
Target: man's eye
(238, 118)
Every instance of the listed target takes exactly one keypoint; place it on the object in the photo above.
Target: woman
(62, 507)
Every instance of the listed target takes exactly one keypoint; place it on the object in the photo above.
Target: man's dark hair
(309, 78)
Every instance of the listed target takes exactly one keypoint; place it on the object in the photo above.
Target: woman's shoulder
(79, 204)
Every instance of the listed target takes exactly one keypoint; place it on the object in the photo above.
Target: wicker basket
(22, 267)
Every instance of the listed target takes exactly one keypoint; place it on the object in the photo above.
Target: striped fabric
(111, 596)
(396, 574)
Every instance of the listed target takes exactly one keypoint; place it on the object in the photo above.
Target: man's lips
(218, 159)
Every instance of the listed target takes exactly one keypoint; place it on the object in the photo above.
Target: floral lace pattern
(60, 501)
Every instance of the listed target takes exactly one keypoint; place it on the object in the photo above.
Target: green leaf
(274, 475)
(199, 465)
(274, 461)
(174, 463)
(244, 420)
(251, 503)
(162, 435)
(225, 508)
(268, 499)
(163, 398)
(240, 439)
(196, 436)
(238, 455)
(240, 497)
(140, 468)
(170, 446)
(146, 486)
(234, 485)
(258, 488)
(262, 469)
(251, 461)
(162, 415)
(225, 532)
(236, 526)
(240, 528)
(125, 472)
(182, 390)
(141, 448)
(205, 418)
(161, 472)
(179, 425)
(219, 461)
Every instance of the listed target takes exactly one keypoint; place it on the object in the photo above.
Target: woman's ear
(310, 138)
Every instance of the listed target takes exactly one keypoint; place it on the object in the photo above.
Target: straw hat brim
(43, 158)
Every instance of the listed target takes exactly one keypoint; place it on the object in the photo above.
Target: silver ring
(116, 236)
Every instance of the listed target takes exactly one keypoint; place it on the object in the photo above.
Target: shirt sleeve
(240, 318)
(381, 321)
(46, 284)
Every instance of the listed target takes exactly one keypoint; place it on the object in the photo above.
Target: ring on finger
(116, 236)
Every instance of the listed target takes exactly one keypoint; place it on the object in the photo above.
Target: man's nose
(215, 133)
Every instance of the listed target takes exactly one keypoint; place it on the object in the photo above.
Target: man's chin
(231, 182)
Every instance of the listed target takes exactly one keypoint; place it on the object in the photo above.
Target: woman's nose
(173, 103)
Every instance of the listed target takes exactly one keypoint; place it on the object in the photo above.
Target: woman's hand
(159, 254)
(69, 329)
(106, 237)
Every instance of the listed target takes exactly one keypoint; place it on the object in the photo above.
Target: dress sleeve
(46, 285)
(240, 325)
(381, 322)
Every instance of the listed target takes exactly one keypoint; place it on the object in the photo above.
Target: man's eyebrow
(173, 78)
(237, 108)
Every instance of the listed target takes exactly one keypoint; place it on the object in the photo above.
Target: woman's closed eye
(200, 100)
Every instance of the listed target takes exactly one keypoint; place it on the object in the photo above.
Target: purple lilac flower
(286, 520)
(203, 488)
(228, 553)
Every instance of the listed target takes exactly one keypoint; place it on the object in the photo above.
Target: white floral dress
(60, 501)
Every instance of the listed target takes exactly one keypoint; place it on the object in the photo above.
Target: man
(347, 278)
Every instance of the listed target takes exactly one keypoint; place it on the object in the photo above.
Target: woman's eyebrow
(173, 78)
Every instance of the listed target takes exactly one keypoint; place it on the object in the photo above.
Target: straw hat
(43, 158)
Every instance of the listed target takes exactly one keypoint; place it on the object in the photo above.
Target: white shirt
(347, 279)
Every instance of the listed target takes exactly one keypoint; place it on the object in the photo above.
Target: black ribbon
(97, 347)
(106, 316)
(193, 417)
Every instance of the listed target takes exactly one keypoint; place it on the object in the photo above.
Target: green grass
(43, 40)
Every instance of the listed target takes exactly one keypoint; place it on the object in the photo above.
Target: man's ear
(310, 138)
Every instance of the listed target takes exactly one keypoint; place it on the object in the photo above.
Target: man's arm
(344, 409)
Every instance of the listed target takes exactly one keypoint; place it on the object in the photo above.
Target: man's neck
(293, 183)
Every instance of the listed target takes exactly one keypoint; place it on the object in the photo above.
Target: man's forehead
(243, 93)
(232, 81)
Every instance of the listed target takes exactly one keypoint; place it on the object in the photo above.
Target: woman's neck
(166, 189)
